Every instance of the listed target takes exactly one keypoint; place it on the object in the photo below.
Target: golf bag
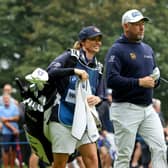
(34, 120)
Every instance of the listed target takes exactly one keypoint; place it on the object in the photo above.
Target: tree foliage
(33, 33)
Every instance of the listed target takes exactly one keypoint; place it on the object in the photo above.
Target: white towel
(83, 116)
(80, 118)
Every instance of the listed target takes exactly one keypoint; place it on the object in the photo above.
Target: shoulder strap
(75, 53)
(100, 67)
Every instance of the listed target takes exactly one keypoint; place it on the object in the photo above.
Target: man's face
(7, 89)
(6, 100)
(134, 31)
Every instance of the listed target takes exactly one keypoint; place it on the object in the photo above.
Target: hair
(77, 45)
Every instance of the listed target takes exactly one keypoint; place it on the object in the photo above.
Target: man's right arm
(114, 67)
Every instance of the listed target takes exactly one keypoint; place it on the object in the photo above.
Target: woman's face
(92, 45)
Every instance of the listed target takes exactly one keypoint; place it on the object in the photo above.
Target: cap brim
(96, 34)
(146, 19)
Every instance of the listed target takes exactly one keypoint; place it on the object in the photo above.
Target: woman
(64, 72)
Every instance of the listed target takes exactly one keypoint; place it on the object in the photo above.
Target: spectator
(7, 89)
(103, 111)
(107, 149)
(157, 107)
(77, 161)
(141, 156)
(9, 116)
(35, 162)
(106, 146)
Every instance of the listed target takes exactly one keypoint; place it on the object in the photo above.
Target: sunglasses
(97, 38)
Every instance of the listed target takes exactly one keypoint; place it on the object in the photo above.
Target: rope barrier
(13, 143)
(17, 142)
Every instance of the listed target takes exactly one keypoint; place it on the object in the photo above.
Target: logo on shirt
(111, 59)
(132, 56)
(148, 56)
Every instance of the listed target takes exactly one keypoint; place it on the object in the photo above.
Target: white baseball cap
(132, 16)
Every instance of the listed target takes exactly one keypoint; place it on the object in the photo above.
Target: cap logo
(135, 14)
(96, 29)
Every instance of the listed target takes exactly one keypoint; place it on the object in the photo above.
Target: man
(7, 89)
(132, 74)
(157, 107)
(103, 111)
(9, 116)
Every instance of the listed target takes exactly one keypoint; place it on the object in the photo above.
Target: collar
(91, 63)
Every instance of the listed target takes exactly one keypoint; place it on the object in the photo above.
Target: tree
(35, 32)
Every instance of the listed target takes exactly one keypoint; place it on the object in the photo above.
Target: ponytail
(77, 45)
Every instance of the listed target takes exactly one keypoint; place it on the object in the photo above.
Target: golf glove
(155, 74)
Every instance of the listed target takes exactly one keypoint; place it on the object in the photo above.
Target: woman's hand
(93, 100)
(81, 73)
